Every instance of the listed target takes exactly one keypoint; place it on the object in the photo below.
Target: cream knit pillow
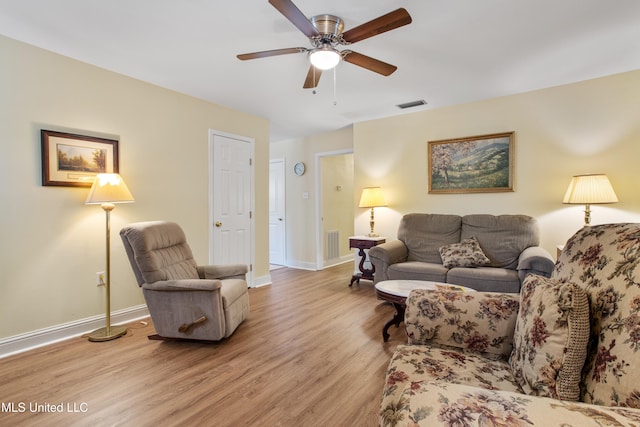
(550, 339)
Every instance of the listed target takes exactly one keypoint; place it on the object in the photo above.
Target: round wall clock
(298, 168)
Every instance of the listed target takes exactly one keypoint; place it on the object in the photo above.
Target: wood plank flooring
(310, 354)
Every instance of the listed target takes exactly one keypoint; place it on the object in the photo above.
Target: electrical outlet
(100, 278)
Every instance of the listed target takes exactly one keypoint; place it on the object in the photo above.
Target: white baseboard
(302, 265)
(41, 337)
(338, 261)
(262, 281)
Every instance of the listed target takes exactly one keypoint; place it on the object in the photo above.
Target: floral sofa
(563, 352)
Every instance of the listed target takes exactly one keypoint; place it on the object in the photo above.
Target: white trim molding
(262, 281)
(338, 261)
(41, 337)
(302, 265)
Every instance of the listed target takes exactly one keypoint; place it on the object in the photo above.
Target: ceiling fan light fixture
(324, 58)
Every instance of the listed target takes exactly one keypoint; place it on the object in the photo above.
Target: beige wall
(337, 198)
(587, 127)
(52, 244)
(301, 212)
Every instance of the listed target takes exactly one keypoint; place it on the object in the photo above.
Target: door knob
(218, 224)
(279, 219)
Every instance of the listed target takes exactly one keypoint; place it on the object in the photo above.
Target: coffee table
(397, 291)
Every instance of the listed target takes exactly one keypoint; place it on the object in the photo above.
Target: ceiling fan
(325, 32)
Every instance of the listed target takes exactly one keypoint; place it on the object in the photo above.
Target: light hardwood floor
(310, 354)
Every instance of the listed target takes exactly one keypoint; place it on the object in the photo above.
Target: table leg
(365, 273)
(397, 319)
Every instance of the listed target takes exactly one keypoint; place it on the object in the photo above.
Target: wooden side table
(362, 243)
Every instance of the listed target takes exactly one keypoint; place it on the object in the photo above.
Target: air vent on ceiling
(412, 104)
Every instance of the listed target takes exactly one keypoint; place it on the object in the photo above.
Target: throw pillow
(467, 253)
(550, 338)
(604, 259)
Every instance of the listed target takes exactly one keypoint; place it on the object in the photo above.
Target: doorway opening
(334, 207)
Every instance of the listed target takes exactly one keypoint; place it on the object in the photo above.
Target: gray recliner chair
(185, 300)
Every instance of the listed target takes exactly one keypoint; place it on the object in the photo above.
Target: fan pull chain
(315, 82)
(335, 100)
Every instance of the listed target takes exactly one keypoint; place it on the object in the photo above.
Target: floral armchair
(562, 352)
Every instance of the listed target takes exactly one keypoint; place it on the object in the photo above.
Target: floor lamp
(108, 189)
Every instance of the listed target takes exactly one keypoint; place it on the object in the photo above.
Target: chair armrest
(479, 321)
(535, 260)
(183, 285)
(230, 271)
(386, 254)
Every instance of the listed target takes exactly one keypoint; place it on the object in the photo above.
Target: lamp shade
(324, 58)
(372, 197)
(109, 188)
(590, 189)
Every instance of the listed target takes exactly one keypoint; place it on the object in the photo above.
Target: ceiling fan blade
(368, 62)
(382, 24)
(313, 77)
(268, 53)
(297, 18)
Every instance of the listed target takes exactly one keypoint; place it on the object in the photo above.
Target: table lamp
(108, 189)
(588, 190)
(372, 197)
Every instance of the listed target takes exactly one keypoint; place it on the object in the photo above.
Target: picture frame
(474, 164)
(70, 160)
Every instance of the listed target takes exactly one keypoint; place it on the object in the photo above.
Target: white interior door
(231, 236)
(277, 212)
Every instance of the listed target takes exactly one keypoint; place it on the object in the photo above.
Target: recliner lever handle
(186, 326)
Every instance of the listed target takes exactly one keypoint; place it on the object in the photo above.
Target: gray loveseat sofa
(509, 243)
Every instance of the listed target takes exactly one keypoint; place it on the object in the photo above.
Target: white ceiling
(454, 51)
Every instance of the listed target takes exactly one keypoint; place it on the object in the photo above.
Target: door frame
(282, 160)
(212, 134)
(318, 190)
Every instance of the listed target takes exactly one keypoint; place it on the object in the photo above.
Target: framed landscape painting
(71, 160)
(476, 164)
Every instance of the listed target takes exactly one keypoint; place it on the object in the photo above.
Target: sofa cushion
(438, 403)
(423, 234)
(416, 270)
(502, 237)
(550, 340)
(485, 279)
(605, 261)
(467, 253)
(411, 364)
